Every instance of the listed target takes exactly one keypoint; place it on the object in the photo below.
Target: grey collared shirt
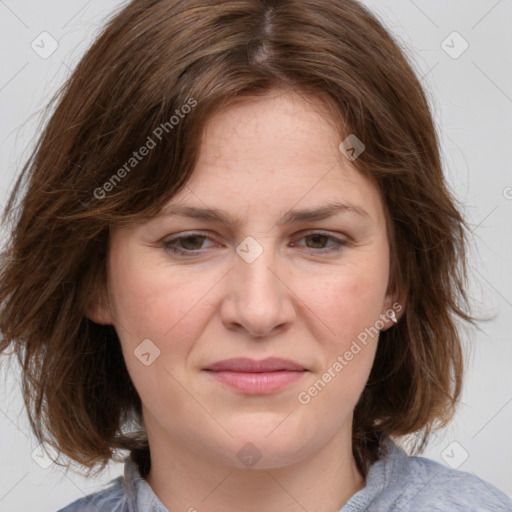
(395, 483)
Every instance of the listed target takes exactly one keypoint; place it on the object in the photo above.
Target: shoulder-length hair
(153, 78)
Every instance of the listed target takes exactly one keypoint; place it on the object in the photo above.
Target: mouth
(253, 377)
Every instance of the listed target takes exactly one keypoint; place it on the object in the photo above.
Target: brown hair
(153, 58)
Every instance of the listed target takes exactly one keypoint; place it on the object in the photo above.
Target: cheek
(160, 304)
(350, 299)
(155, 304)
(350, 303)
(154, 300)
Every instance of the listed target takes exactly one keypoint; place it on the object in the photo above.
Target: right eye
(185, 245)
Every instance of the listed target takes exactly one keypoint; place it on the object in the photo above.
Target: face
(269, 284)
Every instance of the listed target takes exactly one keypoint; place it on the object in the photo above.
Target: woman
(236, 257)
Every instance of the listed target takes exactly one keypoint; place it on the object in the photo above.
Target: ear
(393, 309)
(97, 307)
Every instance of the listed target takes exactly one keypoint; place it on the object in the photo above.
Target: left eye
(321, 239)
(191, 245)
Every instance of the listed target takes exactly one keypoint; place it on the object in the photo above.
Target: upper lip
(243, 364)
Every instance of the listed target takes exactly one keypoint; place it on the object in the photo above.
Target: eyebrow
(290, 217)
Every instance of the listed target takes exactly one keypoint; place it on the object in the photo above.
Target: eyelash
(170, 246)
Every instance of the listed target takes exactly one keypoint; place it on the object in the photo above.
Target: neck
(187, 480)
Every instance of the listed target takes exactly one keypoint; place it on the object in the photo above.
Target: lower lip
(253, 383)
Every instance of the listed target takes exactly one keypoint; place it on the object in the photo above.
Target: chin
(261, 447)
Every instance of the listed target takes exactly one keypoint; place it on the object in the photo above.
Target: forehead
(273, 153)
(284, 122)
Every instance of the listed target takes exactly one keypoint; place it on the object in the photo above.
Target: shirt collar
(139, 495)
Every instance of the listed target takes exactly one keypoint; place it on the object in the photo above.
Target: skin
(259, 159)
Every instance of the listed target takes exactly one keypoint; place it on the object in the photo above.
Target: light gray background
(471, 97)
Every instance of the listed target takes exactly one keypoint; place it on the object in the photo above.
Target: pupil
(318, 236)
(192, 238)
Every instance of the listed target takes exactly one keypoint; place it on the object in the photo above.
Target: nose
(258, 301)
